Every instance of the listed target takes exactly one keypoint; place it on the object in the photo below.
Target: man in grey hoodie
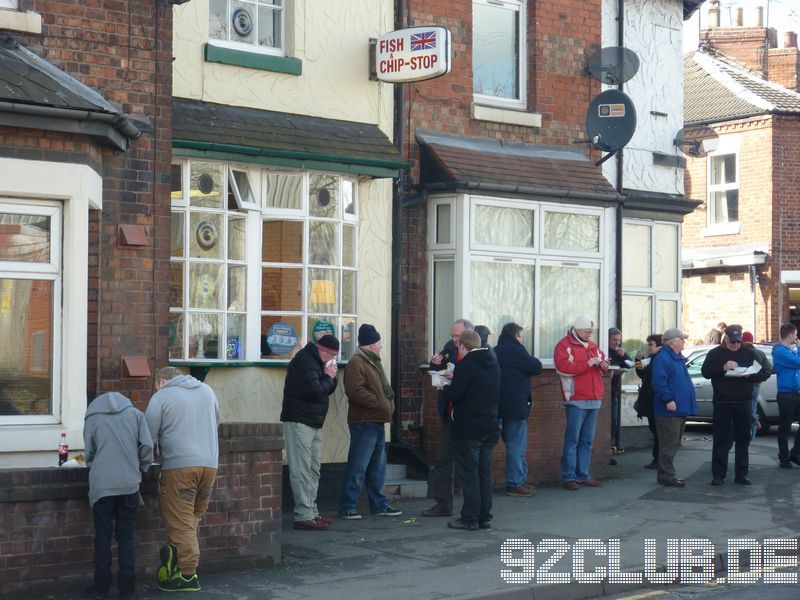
(183, 417)
(118, 449)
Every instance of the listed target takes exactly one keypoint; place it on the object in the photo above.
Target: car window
(695, 365)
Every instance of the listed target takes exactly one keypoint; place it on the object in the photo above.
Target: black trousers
(731, 427)
(789, 410)
(651, 423)
(115, 515)
(473, 461)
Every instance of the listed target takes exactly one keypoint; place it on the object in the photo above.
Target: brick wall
(561, 35)
(784, 64)
(46, 533)
(123, 50)
(748, 45)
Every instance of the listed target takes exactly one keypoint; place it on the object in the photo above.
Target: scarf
(376, 360)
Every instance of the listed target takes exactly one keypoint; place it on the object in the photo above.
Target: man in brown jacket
(371, 404)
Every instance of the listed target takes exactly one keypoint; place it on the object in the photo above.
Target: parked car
(767, 400)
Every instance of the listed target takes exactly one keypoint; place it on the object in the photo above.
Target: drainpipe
(616, 434)
(398, 188)
(753, 286)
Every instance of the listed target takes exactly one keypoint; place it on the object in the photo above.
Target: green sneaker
(169, 563)
(350, 515)
(179, 583)
(388, 512)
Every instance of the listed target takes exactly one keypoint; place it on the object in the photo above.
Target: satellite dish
(611, 121)
(613, 65)
(697, 141)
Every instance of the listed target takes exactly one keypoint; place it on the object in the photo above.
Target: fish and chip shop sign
(413, 54)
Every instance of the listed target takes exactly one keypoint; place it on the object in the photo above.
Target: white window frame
(520, 6)
(9, 4)
(256, 213)
(727, 145)
(465, 252)
(254, 47)
(76, 189)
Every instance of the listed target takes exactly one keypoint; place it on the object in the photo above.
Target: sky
(784, 15)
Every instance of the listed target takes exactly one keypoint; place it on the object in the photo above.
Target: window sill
(253, 60)
(23, 22)
(504, 115)
(732, 228)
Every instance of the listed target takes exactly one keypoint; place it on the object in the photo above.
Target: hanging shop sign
(413, 54)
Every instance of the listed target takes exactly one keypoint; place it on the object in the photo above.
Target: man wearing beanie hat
(371, 404)
(581, 365)
(310, 380)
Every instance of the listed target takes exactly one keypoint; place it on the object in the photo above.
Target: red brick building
(741, 258)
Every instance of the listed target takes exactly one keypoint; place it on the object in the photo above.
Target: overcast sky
(784, 15)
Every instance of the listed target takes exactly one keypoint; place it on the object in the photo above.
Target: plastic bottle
(63, 449)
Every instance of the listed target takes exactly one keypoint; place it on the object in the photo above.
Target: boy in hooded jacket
(118, 449)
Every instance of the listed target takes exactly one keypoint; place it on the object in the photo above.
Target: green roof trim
(253, 60)
(350, 165)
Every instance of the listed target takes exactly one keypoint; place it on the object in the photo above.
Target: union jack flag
(423, 41)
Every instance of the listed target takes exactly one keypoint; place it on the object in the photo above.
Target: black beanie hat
(328, 342)
(367, 334)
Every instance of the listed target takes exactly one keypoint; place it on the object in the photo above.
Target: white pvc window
(248, 24)
(499, 52)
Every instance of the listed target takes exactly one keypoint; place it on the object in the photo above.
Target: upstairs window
(498, 52)
(12, 4)
(723, 190)
(248, 24)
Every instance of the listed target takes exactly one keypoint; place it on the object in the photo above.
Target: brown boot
(437, 510)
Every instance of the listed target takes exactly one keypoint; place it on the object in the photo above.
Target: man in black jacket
(516, 367)
(441, 482)
(474, 396)
(732, 403)
(310, 380)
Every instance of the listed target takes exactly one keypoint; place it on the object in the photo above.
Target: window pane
(348, 246)
(322, 292)
(667, 269)
(348, 339)
(204, 331)
(348, 197)
(730, 168)
(732, 205)
(218, 19)
(243, 22)
(323, 243)
(176, 235)
(560, 303)
(282, 241)
(319, 326)
(237, 287)
(495, 226)
(204, 235)
(26, 327)
(24, 238)
(269, 27)
(442, 223)
(724, 206)
(443, 294)
(566, 231)
(495, 44)
(242, 180)
(667, 315)
(349, 292)
(175, 340)
(177, 182)
(234, 347)
(281, 336)
(206, 288)
(176, 284)
(284, 191)
(323, 196)
(281, 289)
(207, 186)
(635, 255)
(502, 292)
(637, 321)
(237, 246)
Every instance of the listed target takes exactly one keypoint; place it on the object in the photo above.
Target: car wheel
(764, 430)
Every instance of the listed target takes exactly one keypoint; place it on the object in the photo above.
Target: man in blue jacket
(673, 400)
(787, 366)
(516, 368)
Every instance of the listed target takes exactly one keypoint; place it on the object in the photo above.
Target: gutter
(528, 190)
(292, 154)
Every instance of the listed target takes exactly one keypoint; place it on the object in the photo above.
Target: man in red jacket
(581, 365)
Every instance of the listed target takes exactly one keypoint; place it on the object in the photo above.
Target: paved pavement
(416, 557)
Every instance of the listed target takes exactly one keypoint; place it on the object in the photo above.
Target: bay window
(262, 262)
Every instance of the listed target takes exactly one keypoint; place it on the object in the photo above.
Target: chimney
(759, 16)
(748, 45)
(784, 63)
(738, 17)
(713, 15)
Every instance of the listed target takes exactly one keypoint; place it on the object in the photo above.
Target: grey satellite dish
(611, 121)
(697, 141)
(613, 65)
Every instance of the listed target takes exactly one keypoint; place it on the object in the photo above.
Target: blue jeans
(366, 460)
(515, 437)
(117, 515)
(473, 461)
(578, 437)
